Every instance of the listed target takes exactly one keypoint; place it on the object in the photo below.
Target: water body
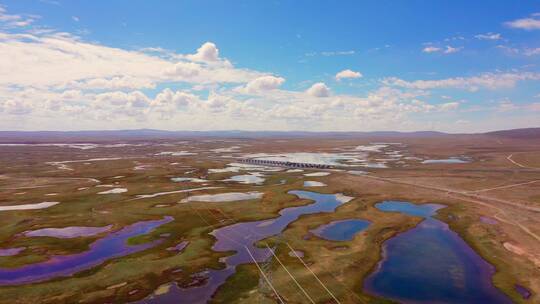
(252, 178)
(445, 161)
(114, 191)
(240, 238)
(29, 206)
(68, 232)
(224, 197)
(524, 292)
(343, 230)
(11, 251)
(313, 184)
(112, 246)
(315, 174)
(188, 179)
(431, 264)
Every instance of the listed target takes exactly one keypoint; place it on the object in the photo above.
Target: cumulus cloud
(207, 52)
(347, 74)
(16, 107)
(530, 23)
(135, 99)
(168, 102)
(263, 83)
(185, 70)
(319, 89)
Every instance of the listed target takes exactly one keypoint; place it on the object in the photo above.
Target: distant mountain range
(527, 133)
(148, 134)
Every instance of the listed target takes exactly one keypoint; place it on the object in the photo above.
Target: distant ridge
(148, 134)
(527, 133)
(152, 134)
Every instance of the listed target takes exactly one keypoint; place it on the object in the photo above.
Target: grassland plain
(490, 185)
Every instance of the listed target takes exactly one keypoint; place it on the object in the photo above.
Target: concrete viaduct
(284, 164)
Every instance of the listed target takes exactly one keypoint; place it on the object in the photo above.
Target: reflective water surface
(240, 238)
(111, 246)
(343, 230)
(431, 264)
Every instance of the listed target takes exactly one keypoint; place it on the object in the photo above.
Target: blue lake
(343, 230)
(431, 264)
(111, 246)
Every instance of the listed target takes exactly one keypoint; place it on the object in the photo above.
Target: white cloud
(487, 80)
(16, 107)
(347, 74)
(184, 70)
(207, 52)
(319, 89)
(67, 60)
(135, 99)
(113, 83)
(75, 18)
(525, 23)
(532, 52)
(517, 51)
(447, 50)
(338, 53)
(49, 78)
(449, 106)
(168, 102)
(14, 21)
(56, 59)
(451, 50)
(431, 49)
(506, 105)
(488, 36)
(263, 83)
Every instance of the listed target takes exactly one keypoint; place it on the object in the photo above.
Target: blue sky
(459, 66)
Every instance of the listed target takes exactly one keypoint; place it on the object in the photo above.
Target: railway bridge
(284, 163)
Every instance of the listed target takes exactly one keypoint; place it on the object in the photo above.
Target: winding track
(509, 158)
(505, 186)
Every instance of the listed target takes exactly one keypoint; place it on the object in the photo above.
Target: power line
(264, 276)
(316, 277)
(292, 277)
(250, 254)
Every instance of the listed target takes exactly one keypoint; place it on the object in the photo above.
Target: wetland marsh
(198, 226)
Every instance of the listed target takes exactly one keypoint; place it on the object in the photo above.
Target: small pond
(343, 230)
